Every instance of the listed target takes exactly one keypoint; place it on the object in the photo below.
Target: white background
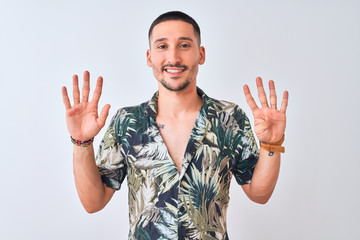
(310, 48)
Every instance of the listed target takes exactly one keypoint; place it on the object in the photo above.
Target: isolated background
(310, 48)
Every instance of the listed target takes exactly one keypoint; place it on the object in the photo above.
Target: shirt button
(182, 209)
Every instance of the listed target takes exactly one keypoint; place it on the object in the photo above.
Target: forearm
(270, 126)
(90, 188)
(265, 176)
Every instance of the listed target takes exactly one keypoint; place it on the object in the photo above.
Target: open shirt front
(163, 202)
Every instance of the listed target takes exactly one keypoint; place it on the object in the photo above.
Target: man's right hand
(82, 119)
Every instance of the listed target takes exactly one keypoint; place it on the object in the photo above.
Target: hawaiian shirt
(163, 202)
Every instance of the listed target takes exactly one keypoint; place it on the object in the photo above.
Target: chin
(175, 87)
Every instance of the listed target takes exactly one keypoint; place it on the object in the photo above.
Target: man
(178, 150)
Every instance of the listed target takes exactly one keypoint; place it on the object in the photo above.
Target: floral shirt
(163, 202)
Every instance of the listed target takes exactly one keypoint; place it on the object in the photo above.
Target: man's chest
(176, 134)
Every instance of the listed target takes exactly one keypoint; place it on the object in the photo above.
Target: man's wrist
(82, 143)
(274, 147)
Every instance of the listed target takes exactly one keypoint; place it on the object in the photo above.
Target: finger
(66, 99)
(98, 90)
(261, 92)
(86, 87)
(284, 102)
(273, 98)
(76, 92)
(249, 99)
(103, 115)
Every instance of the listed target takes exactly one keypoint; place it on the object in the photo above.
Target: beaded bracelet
(82, 143)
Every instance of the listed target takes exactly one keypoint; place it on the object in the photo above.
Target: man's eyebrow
(160, 40)
(186, 38)
(181, 38)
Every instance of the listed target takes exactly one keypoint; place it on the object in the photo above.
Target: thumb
(103, 115)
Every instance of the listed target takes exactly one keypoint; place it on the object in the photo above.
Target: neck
(178, 104)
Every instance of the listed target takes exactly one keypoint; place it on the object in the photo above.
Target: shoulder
(228, 113)
(131, 111)
(225, 107)
(129, 120)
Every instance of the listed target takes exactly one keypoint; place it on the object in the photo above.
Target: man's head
(175, 52)
(176, 15)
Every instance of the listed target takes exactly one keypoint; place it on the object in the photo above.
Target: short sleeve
(110, 158)
(247, 149)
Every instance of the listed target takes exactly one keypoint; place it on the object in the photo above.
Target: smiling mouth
(174, 70)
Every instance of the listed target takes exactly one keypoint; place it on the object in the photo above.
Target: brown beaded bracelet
(82, 143)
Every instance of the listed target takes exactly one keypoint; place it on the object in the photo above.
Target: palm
(270, 123)
(82, 121)
(82, 118)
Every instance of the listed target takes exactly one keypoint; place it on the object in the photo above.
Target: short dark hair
(176, 15)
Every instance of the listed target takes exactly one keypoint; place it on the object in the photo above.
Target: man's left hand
(270, 123)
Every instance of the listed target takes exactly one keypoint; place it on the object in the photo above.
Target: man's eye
(161, 46)
(185, 45)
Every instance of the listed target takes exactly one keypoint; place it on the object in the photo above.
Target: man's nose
(173, 56)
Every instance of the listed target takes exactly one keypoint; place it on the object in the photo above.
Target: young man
(178, 150)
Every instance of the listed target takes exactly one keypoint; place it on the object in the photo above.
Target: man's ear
(202, 55)
(148, 58)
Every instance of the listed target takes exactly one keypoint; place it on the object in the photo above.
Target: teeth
(173, 71)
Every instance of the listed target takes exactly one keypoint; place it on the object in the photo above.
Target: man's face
(175, 54)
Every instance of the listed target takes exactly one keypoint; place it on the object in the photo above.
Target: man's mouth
(173, 69)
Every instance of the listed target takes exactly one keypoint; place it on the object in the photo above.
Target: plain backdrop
(310, 48)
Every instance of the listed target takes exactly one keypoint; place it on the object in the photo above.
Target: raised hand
(270, 123)
(82, 118)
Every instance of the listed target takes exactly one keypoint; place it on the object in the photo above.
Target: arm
(269, 127)
(264, 179)
(84, 123)
(93, 193)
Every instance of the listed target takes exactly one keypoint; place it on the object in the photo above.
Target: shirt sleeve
(248, 152)
(110, 158)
